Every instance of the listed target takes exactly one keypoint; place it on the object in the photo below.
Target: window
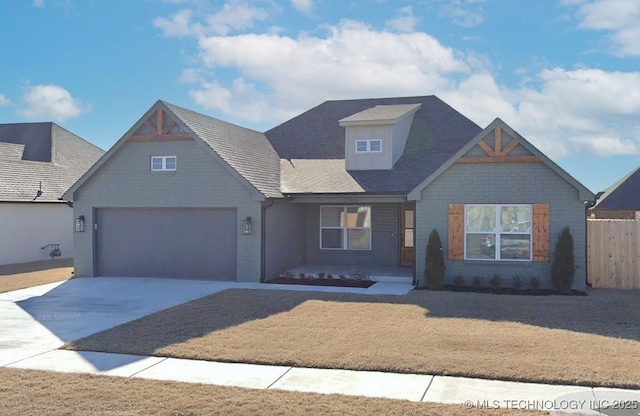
(345, 227)
(163, 163)
(498, 232)
(369, 146)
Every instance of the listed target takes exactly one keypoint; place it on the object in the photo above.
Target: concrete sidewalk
(414, 387)
(39, 320)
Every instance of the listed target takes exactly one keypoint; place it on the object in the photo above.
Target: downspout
(263, 240)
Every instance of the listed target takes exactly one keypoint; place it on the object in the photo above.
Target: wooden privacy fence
(613, 253)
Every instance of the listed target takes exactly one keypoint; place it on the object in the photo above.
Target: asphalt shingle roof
(313, 146)
(247, 151)
(34, 155)
(624, 194)
(381, 112)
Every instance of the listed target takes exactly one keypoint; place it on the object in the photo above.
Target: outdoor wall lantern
(80, 224)
(246, 226)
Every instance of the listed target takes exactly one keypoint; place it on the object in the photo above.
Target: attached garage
(174, 243)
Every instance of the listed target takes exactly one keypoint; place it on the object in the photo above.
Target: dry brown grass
(557, 339)
(30, 392)
(20, 276)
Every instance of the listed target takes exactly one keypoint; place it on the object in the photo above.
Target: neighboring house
(620, 201)
(357, 183)
(38, 162)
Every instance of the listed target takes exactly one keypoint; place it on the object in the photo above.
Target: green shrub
(434, 267)
(478, 281)
(563, 268)
(496, 281)
(458, 281)
(516, 282)
(534, 282)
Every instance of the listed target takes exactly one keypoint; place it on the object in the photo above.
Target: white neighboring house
(38, 163)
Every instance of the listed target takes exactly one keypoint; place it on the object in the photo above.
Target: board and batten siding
(501, 183)
(125, 180)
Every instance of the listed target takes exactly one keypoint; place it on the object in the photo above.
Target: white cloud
(269, 77)
(580, 111)
(235, 15)
(51, 102)
(178, 25)
(38, 3)
(4, 101)
(404, 21)
(617, 17)
(303, 6)
(466, 13)
(352, 60)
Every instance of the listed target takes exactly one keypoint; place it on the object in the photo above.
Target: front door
(406, 236)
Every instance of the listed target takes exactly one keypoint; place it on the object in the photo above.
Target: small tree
(434, 267)
(563, 268)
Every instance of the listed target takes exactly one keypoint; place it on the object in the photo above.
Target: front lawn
(30, 392)
(20, 276)
(553, 339)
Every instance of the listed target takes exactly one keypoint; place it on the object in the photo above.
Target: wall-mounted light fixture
(79, 227)
(246, 226)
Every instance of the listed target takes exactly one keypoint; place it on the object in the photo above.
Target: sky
(565, 74)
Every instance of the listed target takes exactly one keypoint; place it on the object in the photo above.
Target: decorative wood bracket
(498, 154)
(160, 131)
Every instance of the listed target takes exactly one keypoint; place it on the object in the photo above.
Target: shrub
(309, 277)
(301, 276)
(320, 275)
(329, 276)
(563, 268)
(458, 281)
(478, 281)
(434, 267)
(516, 282)
(496, 281)
(343, 277)
(534, 282)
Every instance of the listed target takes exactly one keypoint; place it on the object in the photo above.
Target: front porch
(375, 273)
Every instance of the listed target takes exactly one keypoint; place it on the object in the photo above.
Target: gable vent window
(369, 146)
(164, 163)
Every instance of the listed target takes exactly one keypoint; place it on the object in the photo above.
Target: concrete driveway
(43, 318)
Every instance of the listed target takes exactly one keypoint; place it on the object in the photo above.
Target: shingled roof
(304, 142)
(247, 151)
(622, 195)
(41, 156)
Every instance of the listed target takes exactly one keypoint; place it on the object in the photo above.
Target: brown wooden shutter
(540, 232)
(456, 232)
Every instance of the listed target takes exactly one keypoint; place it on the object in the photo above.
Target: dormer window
(369, 146)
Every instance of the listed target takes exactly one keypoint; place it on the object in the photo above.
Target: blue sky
(563, 73)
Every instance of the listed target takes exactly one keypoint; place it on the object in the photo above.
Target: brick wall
(126, 181)
(502, 183)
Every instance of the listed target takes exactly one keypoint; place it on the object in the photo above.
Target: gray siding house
(353, 183)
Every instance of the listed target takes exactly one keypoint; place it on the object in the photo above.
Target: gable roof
(437, 132)
(585, 194)
(624, 194)
(41, 156)
(246, 153)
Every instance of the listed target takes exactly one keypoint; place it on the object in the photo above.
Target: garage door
(175, 243)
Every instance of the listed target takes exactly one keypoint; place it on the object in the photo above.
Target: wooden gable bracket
(498, 154)
(159, 132)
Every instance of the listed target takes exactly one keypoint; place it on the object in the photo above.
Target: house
(38, 162)
(357, 183)
(620, 201)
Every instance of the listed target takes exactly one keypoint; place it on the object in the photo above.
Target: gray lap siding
(500, 183)
(126, 181)
(384, 239)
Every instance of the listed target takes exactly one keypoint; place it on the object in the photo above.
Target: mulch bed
(322, 282)
(512, 291)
